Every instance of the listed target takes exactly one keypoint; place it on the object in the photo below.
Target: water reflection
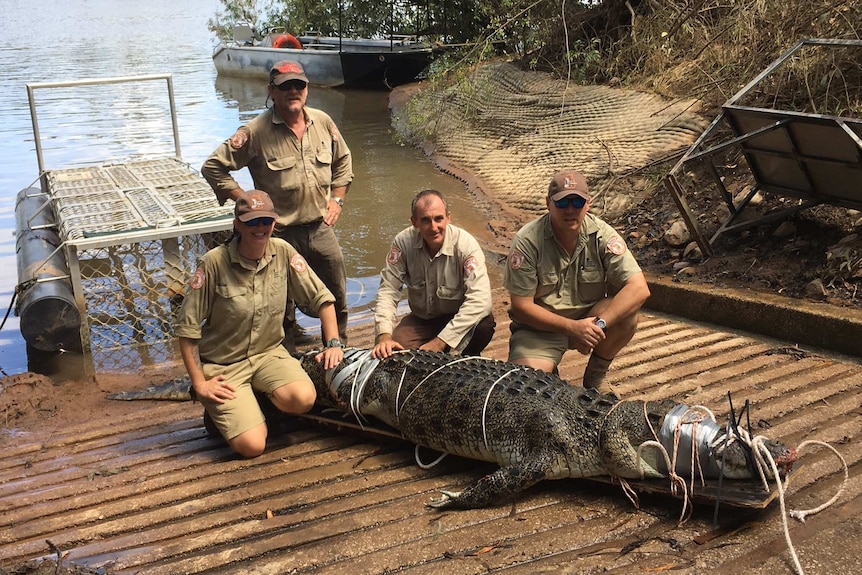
(106, 38)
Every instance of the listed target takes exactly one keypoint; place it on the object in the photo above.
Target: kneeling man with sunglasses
(230, 327)
(573, 285)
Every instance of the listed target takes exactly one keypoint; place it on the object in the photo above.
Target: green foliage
(232, 12)
(357, 18)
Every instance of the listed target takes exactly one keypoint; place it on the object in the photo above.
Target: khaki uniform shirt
(455, 281)
(236, 309)
(297, 174)
(569, 286)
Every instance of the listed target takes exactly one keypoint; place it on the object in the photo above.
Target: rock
(756, 200)
(722, 212)
(677, 235)
(784, 230)
(815, 289)
(687, 271)
(692, 252)
(680, 265)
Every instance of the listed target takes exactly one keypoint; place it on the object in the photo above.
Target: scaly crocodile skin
(533, 424)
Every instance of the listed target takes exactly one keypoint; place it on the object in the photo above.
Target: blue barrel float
(50, 320)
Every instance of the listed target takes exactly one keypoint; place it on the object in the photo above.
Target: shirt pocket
(230, 302)
(450, 299)
(284, 171)
(548, 281)
(591, 285)
(324, 156)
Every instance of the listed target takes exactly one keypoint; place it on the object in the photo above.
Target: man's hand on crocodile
(331, 357)
(385, 346)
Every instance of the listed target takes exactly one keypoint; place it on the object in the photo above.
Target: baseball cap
(286, 70)
(254, 204)
(568, 182)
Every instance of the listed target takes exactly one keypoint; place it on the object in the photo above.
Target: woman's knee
(295, 397)
(251, 443)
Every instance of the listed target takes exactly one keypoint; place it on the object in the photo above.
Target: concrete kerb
(795, 321)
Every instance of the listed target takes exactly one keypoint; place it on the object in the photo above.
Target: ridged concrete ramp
(151, 494)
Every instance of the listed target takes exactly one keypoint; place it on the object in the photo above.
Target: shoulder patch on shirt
(616, 246)
(470, 266)
(333, 132)
(298, 263)
(394, 256)
(239, 138)
(198, 279)
(516, 259)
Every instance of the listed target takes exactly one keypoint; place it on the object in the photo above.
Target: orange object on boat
(286, 41)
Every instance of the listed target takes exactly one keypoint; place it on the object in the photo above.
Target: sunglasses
(254, 222)
(297, 85)
(576, 201)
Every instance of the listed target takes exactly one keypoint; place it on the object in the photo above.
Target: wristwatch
(334, 342)
(602, 324)
(339, 201)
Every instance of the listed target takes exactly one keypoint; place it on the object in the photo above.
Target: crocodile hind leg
(494, 487)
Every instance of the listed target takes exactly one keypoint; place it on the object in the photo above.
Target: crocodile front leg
(494, 487)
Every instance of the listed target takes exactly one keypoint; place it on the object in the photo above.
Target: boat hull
(327, 67)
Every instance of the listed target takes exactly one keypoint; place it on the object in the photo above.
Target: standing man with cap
(447, 282)
(297, 155)
(230, 327)
(573, 285)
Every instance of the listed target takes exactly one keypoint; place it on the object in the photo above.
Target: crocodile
(533, 424)
(177, 389)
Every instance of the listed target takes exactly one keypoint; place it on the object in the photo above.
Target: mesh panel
(133, 288)
(133, 291)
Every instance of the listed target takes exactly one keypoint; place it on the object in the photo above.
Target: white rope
(427, 377)
(360, 370)
(488, 398)
(428, 465)
(763, 459)
(801, 515)
(677, 483)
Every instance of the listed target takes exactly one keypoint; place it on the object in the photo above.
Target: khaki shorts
(264, 373)
(530, 343)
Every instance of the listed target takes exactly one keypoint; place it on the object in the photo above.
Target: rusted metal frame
(672, 185)
(686, 156)
(722, 189)
(739, 139)
(853, 136)
(770, 217)
(770, 69)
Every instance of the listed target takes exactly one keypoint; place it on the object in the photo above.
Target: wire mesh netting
(135, 232)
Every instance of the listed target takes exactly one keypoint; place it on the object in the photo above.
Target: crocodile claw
(445, 501)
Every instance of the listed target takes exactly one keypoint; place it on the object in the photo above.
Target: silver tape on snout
(686, 421)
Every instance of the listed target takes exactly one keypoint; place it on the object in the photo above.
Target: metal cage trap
(131, 233)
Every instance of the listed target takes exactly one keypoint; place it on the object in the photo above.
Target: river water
(54, 40)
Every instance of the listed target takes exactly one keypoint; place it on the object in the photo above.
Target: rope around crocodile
(689, 423)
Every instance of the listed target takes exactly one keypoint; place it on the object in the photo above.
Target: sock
(594, 374)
